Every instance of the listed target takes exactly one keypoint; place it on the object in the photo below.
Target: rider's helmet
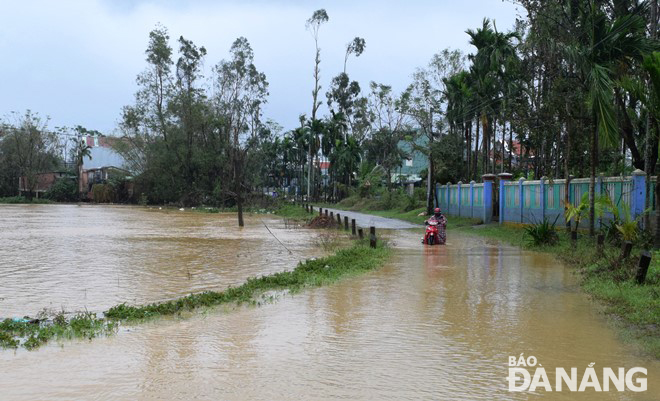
(436, 212)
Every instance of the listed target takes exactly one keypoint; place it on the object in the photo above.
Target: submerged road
(368, 220)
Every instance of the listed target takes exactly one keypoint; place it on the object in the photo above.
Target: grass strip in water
(32, 333)
(317, 272)
(357, 259)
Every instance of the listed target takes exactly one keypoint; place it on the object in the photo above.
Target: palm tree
(611, 42)
(81, 150)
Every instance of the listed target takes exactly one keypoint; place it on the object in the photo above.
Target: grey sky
(76, 60)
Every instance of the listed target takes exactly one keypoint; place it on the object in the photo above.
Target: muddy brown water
(434, 323)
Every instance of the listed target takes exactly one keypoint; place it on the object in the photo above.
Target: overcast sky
(76, 60)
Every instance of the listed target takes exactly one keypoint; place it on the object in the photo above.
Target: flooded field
(435, 323)
(74, 257)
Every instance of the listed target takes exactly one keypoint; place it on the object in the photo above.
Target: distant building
(414, 164)
(102, 154)
(44, 181)
(104, 163)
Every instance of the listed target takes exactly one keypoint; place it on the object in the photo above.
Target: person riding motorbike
(437, 216)
(441, 220)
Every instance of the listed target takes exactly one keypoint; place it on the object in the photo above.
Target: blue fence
(527, 202)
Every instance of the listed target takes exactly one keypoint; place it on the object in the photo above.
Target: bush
(542, 233)
(103, 193)
(63, 190)
(419, 194)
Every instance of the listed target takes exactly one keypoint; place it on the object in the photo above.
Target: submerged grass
(311, 273)
(32, 333)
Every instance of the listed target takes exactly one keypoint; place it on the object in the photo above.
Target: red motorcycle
(435, 232)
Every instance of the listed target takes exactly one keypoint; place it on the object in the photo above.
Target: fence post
(372, 237)
(643, 267)
(639, 194)
(542, 201)
(320, 211)
(353, 227)
(459, 196)
(360, 233)
(346, 223)
(521, 198)
(472, 198)
(488, 197)
(504, 178)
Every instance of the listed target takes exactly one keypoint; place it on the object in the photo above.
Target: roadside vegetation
(22, 199)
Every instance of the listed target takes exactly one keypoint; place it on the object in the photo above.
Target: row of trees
(571, 89)
(568, 91)
(572, 83)
(191, 144)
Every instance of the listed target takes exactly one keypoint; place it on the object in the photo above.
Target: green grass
(22, 199)
(32, 335)
(311, 273)
(293, 212)
(348, 262)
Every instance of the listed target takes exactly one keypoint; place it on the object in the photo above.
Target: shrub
(542, 233)
(63, 190)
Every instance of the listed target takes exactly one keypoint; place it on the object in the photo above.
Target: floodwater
(93, 257)
(435, 323)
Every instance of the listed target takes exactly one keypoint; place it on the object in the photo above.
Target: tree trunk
(429, 187)
(476, 153)
(492, 132)
(648, 168)
(592, 178)
(503, 136)
(657, 214)
(510, 147)
(485, 156)
(567, 175)
(468, 153)
(239, 204)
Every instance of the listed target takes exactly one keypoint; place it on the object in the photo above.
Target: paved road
(368, 220)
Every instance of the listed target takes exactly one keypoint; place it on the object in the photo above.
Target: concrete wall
(528, 202)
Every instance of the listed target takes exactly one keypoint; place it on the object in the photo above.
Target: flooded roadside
(434, 323)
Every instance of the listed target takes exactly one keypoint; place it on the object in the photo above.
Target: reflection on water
(74, 257)
(435, 323)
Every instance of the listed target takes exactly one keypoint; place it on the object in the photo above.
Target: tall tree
(32, 147)
(318, 18)
(241, 92)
